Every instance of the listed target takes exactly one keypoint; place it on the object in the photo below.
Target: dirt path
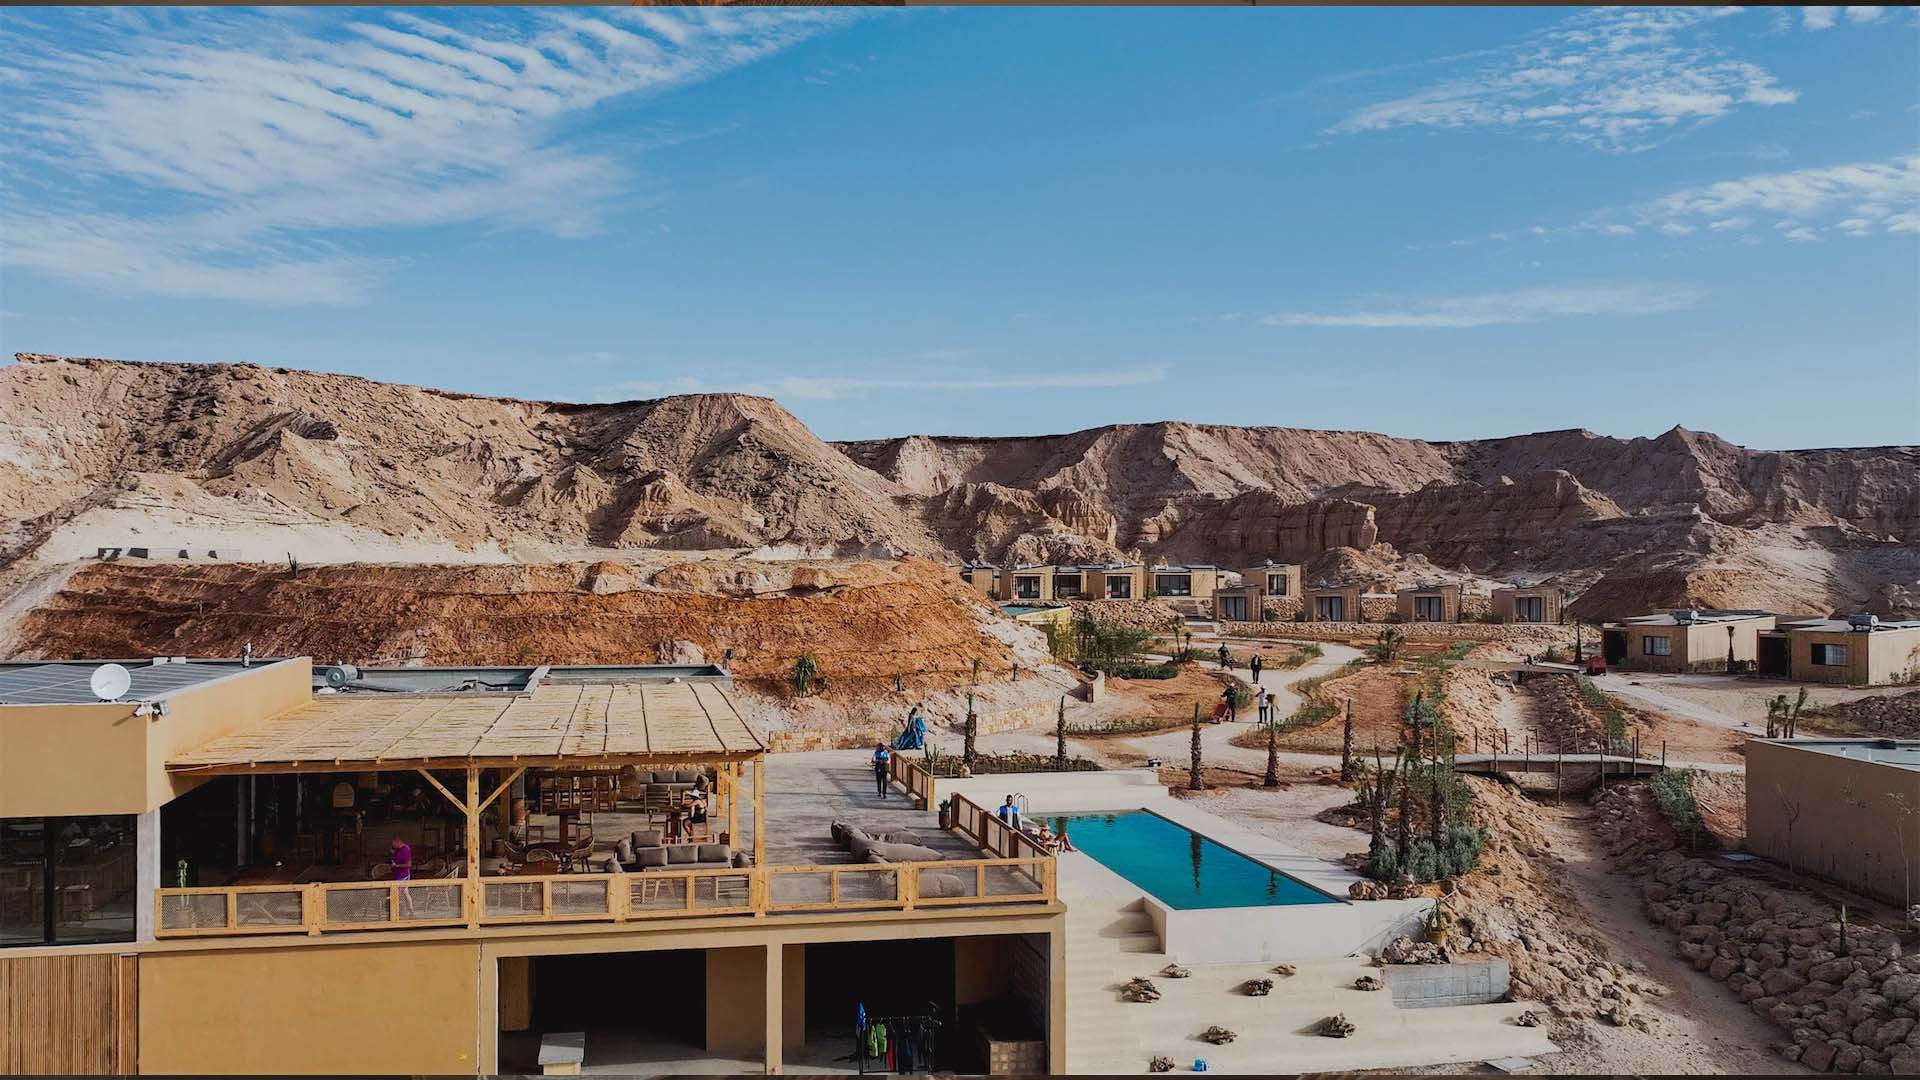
(1215, 744)
(1697, 1026)
(1635, 688)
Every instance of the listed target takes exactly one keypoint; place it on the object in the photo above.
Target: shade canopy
(578, 724)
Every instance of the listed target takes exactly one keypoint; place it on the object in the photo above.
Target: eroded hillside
(269, 464)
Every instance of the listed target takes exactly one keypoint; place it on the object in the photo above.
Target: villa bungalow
(1190, 581)
(1035, 582)
(1113, 581)
(1685, 641)
(1246, 602)
(984, 577)
(1334, 603)
(1436, 602)
(1856, 651)
(1527, 604)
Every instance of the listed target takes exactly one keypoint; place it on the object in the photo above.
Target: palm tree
(1272, 779)
(972, 729)
(1060, 737)
(1194, 780)
(1346, 745)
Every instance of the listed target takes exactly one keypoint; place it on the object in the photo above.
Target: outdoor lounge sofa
(645, 849)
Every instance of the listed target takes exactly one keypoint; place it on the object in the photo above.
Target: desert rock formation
(271, 464)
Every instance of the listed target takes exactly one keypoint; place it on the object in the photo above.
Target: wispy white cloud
(1617, 79)
(1503, 308)
(1864, 194)
(1865, 14)
(1817, 18)
(832, 387)
(218, 157)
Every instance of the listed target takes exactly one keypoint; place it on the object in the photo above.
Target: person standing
(1225, 657)
(401, 860)
(880, 758)
(1255, 664)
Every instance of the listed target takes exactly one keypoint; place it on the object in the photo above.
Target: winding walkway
(1216, 746)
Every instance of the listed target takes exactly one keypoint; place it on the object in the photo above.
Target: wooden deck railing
(913, 777)
(995, 837)
(336, 907)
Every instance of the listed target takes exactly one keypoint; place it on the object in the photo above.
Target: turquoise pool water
(1180, 867)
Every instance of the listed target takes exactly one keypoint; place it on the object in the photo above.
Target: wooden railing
(334, 907)
(993, 836)
(913, 777)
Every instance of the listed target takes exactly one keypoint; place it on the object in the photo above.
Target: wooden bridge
(1610, 764)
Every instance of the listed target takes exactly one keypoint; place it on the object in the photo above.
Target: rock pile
(1161, 1063)
(1140, 990)
(1897, 715)
(1175, 971)
(1218, 1035)
(1847, 1004)
(1257, 987)
(1369, 982)
(1405, 950)
(1336, 1026)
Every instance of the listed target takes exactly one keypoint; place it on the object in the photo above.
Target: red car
(1596, 665)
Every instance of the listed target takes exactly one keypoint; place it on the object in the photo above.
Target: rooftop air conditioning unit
(1862, 622)
(1686, 616)
(341, 675)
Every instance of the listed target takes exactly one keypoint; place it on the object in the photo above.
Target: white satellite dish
(110, 682)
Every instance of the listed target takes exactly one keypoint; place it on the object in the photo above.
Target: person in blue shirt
(1010, 813)
(880, 756)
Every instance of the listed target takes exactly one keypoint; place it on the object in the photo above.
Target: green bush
(1460, 849)
(1611, 718)
(1673, 793)
(1384, 863)
(1132, 669)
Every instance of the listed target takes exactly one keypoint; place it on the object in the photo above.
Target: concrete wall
(1435, 986)
(737, 1001)
(100, 758)
(1504, 603)
(335, 1008)
(1854, 817)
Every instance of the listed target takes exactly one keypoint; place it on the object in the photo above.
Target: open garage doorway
(639, 1011)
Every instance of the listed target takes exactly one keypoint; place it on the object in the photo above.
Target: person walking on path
(1226, 658)
(1255, 663)
(880, 758)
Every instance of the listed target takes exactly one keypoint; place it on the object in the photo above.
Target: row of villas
(1861, 650)
(1211, 590)
(196, 876)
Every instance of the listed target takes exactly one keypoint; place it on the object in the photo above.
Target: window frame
(1647, 641)
(1822, 652)
(1185, 590)
(1282, 589)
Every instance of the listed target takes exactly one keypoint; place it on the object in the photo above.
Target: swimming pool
(1179, 867)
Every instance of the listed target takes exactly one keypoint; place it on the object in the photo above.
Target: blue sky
(1426, 222)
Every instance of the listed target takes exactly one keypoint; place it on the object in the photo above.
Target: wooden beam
(457, 801)
(732, 774)
(760, 811)
(504, 785)
(333, 765)
(473, 847)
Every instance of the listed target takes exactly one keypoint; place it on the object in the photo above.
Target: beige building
(198, 876)
(1844, 809)
(1686, 640)
(1858, 651)
(1334, 603)
(984, 577)
(1527, 604)
(1437, 602)
(1192, 581)
(1246, 602)
(1037, 582)
(1113, 581)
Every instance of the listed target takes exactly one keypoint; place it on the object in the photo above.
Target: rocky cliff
(329, 468)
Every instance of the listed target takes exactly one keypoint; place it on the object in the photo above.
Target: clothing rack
(906, 1045)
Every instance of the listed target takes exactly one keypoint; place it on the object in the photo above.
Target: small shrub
(1423, 862)
(1384, 863)
(805, 670)
(1673, 793)
(1131, 669)
(1460, 849)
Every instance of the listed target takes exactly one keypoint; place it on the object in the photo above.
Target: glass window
(1173, 584)
(1119, 588)
(1652, 645)
(1065, 585)
(1429, 609)
(66, 880)
(1332, 608)
(1277, 584)
(1026, 587)
(1830, 655)
(1530, 609)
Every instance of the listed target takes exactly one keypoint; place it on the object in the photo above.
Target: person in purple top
(402, 860)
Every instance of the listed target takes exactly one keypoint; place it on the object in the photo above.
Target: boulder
(1369, 982)
(1819, 1056)
(1220, 1036)
(1336, 1026)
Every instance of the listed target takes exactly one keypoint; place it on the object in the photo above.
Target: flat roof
(67, 682)
(508, 679)
(1842, 626)
(1696, 618)
(1898, 753)
(578, 723)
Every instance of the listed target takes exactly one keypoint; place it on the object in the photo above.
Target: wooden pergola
(577, 725)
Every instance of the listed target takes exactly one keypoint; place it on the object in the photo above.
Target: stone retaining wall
(1845, 1003)
(1433, 986)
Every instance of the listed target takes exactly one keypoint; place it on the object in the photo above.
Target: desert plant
(805, 670)
(1195, 782)
(972, 730)
(1272, 779)
(1673, 794)
(1346, 745)
(293, 565)
(1060, 734)
(977, 663)
(1388, 644)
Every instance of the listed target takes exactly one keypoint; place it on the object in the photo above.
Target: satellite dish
(110, 682)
